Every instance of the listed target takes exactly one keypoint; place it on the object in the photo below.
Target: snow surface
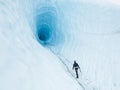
(91, 36)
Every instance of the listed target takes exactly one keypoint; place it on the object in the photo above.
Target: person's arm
(79, 68)
(73, 66)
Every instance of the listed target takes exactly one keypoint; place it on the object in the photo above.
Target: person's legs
(76, 73)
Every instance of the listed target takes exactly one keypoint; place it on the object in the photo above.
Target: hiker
(76, 67)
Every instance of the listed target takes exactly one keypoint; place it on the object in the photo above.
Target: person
(76, 67)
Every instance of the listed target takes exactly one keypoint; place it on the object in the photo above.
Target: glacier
(34, 59)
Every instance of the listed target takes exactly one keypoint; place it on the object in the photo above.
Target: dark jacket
(76, 66)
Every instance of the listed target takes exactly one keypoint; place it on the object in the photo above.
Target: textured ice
(86, 31)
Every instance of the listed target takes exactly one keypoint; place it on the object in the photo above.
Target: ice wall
(85, 31)
(24, 63)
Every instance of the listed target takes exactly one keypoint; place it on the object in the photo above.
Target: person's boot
(77, 76)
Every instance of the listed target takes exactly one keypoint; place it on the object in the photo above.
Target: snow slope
(90, 34)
